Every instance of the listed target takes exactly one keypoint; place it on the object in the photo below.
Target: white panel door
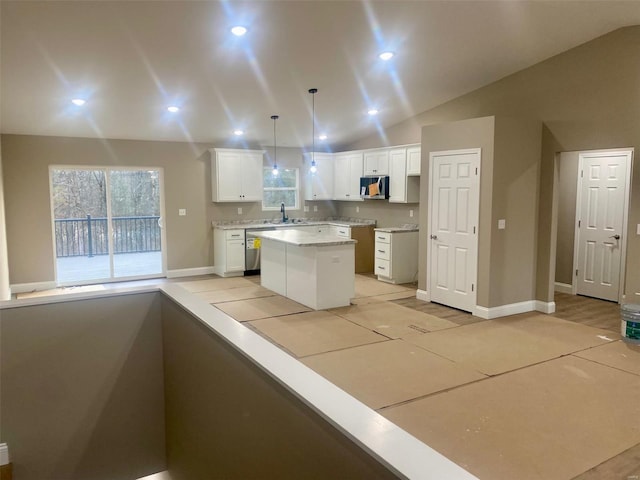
(455, 189)
(602, 187)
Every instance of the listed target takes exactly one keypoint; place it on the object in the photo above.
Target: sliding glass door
(107, 224)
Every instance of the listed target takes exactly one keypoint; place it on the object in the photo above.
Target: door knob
(616, 236)
(433, 237)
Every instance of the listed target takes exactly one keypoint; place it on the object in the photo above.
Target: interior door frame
(625, 214)
(107, 169)
(477, 151)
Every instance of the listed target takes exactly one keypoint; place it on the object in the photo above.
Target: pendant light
(313, 92)
(275, 148)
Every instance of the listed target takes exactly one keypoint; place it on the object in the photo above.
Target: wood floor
(431, 368)
(579, 309)
(588, 311)
(575, 308)
(422, 369)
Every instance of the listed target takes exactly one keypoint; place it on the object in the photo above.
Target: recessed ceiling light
(238, 132)
(238, 31)
(386, 56)
(78, 101)
(173, 109)
(373, 111)
(323, 136)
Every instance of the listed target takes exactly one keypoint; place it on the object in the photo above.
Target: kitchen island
(314, 269)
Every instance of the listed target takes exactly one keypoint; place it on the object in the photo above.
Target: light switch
(411, 213)
(315, 208)
(638, 231)
(239, 210)
(182, 212)
(306, 208)
(502, 223)
(357, 209)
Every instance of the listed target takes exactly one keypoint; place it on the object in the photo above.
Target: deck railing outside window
(89, 236)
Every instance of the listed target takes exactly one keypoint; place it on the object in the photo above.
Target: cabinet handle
(380, 268)
(381, 251)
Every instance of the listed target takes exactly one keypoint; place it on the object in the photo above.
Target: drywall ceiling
(132, 59)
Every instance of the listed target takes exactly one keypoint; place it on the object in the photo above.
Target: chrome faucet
(284, 217)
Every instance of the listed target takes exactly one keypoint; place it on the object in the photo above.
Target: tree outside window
(281, 188)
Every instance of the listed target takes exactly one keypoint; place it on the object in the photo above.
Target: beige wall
(27, 160)
(187, 174)
(5, 292)
(474, 133)
(82, 389)
(567, 173)
(228, 419)
(516, 169)
(588, 99)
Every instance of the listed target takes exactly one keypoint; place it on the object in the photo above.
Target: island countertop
(294, 236)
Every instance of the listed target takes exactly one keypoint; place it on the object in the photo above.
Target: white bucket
(630, 328)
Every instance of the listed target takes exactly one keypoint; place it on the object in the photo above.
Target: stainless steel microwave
(374, 187)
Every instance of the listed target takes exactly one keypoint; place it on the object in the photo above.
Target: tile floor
(530, 396)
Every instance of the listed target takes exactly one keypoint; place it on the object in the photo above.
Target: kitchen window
(281, 188)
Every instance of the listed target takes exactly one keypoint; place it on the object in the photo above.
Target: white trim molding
(505, 310)
(4, 454)
(32, 287)
(564, 288)
(545, 307)
(502, 310)
(190, 272)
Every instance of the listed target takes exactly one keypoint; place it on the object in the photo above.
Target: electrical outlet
(239, 210)
(306, 208)
(357, 209)
(411, 213)
(638, 231)
(182, 212)
(502, 224)
(315, 208)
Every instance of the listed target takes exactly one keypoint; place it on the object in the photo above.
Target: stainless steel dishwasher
(252, 250)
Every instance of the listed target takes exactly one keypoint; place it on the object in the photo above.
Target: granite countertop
(304, 239)
(408, 227)
(347, 222)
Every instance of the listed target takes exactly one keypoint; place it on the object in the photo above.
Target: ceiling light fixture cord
(313, 92)
(275, 148)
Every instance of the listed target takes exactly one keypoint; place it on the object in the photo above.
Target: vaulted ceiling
(130, 60)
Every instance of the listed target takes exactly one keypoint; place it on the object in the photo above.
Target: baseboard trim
(545, 307)
(190, 272)
(564, 288)
(489, 313)
(502, 310)
(32, 287)
(423, 295)
(4, 454)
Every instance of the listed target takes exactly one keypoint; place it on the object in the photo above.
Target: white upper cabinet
(402, 188)
(236, 175)
(319, 185)
(376, 162)
(413, 160)
(348, 170)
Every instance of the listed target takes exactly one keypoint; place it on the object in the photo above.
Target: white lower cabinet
(396, 256)
(228, 252)
(340, 231)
